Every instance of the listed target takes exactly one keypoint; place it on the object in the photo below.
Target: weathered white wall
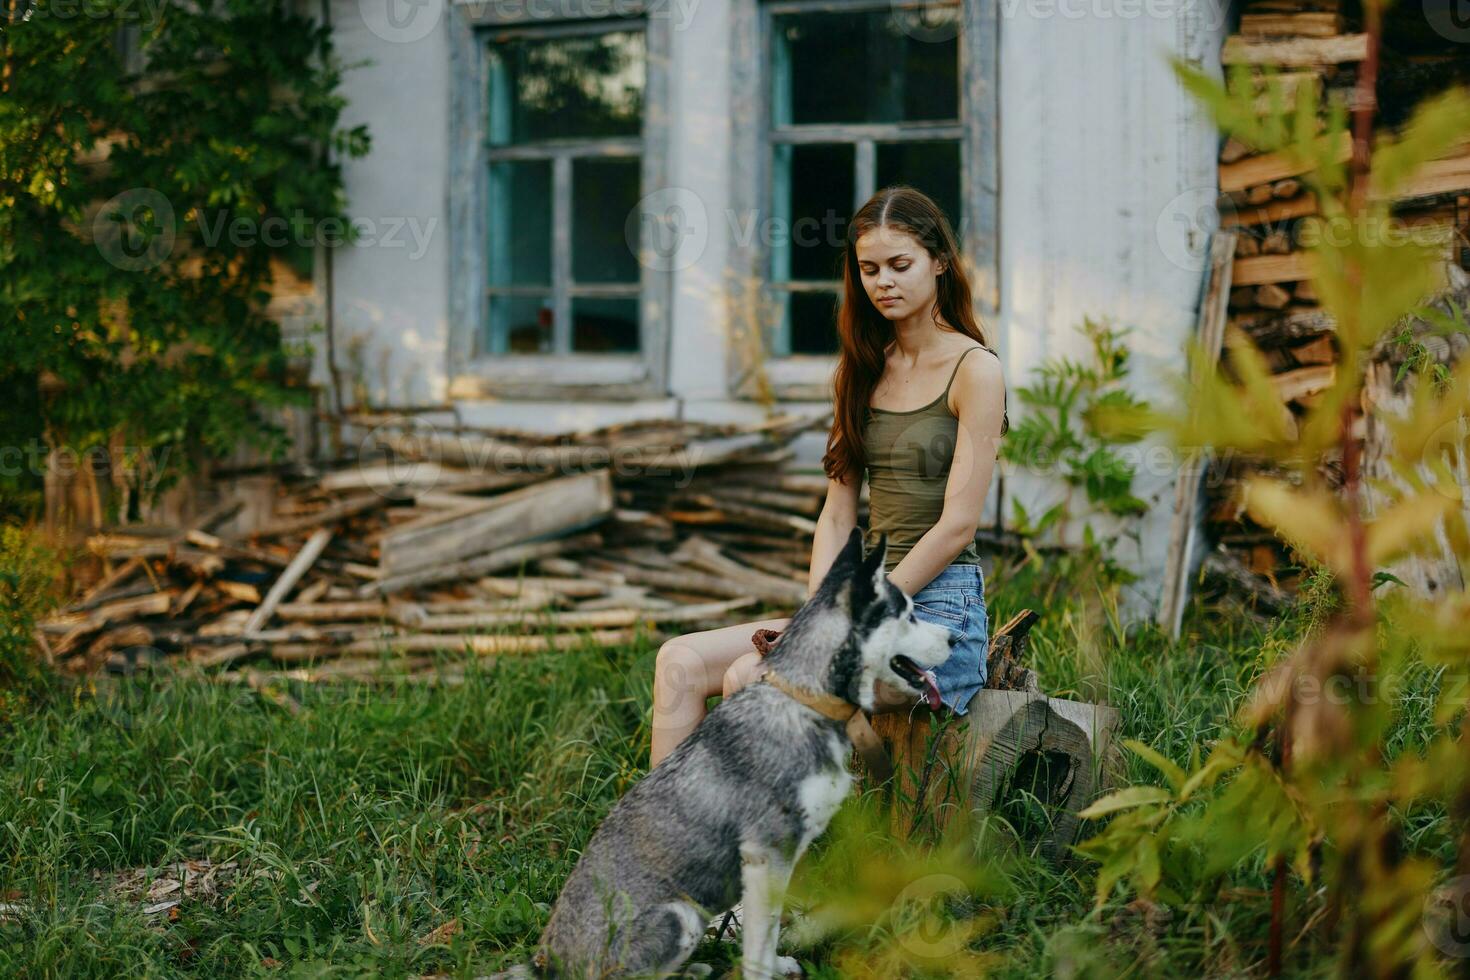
(1105, 164)
(391, 292)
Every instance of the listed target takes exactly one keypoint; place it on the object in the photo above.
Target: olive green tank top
(909, 454)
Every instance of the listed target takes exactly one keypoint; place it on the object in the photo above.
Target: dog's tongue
(931, 690)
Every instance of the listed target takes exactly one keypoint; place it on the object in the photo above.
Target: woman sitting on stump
(920, 416)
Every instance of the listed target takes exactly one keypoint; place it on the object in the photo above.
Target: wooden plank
(330, 514)
(1268, 168)
(521, 515)
(1277, 211)
(1307, 24)
(299, 566)
(1183, 533)
(1304, 382)
(1262, 269)
(474, 568)
(1314, 52)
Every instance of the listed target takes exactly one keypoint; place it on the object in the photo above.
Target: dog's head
(859, 628)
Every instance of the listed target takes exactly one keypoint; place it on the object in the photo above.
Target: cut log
(553, 507)
(1272, 296)
(1268, 168)
(330, 514)
(584, 619)
(1304, 382)
(1234, 150)
(1247, 246)
(1274, 213)
(691, 581)
(1278, 329)
(575, 588)
(473, 568)
(1314, 352)
(1276, 243)
(299, 566)
(1295, 52)
(1256, 26)
(1287, 189)
(1258, 195)
(1271, 268)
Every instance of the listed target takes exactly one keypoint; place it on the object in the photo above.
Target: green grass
(379, 814)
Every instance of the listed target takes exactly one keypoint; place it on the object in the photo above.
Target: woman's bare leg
(746, 669)
(689, 669)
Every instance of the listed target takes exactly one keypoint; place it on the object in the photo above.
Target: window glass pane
(520, 324)
(604, 193)
(519, 250)
(813, 323)
(933, 166)
(605, 325)
(564, 87)
(813, 187)
(862, 67)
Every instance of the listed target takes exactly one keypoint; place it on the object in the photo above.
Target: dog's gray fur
(728, 813)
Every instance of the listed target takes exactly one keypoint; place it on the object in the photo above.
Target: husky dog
(727, 814)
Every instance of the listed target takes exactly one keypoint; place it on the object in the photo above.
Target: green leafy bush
(140, 211)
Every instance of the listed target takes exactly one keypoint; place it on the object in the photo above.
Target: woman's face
(897, 272)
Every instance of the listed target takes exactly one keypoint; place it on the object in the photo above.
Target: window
(565, 142)
(858, 100)
(554, 121)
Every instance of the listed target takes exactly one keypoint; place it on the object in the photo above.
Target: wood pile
(1264, 200)
(455, 541)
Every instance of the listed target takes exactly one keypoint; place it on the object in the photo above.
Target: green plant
(1353, 735)
(1068, 433)
(27, 579)
(141, 209)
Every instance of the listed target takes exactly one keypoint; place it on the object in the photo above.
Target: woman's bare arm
(834, 524)
(978, 398)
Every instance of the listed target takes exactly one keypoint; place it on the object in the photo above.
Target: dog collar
(859, 728)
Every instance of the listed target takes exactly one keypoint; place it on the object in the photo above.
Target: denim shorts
(955, 599)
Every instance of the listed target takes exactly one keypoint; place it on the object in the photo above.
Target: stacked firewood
(1264, 199)
(435, 541)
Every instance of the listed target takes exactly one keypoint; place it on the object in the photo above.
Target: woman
(921, 418)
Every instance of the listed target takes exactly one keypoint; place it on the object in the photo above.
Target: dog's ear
(846, 568)
(850, 559)
(867, 581)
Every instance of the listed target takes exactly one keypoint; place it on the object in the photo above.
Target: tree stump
(1019, 763)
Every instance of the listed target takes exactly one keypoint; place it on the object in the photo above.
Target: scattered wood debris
(456, 541)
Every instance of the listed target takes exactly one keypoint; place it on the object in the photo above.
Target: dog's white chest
(821, 794)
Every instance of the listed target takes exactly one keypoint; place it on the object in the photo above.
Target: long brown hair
(865, 334)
